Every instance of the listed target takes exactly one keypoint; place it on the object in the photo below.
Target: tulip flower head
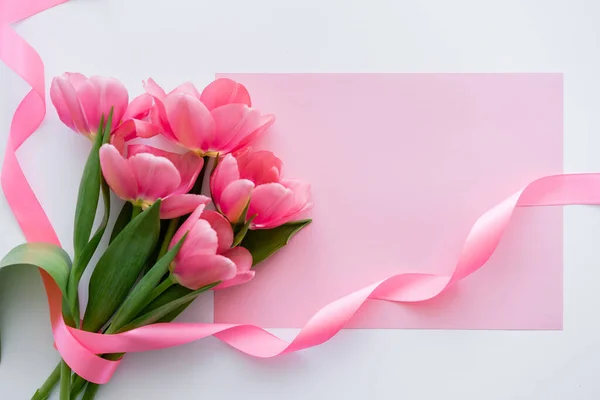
(148, 174)
(219, 120)
(81, 102)
(206, 256)
(256, 178)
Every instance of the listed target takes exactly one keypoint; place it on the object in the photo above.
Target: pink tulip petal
(201, 239)
(117, 173)
(139, 107)
(157, 177)
(98, 96)
(200, 270)
(222, 227)
(301, 191)
(234, 199)
(234, 122)
(225, 173)
(178, 205)
(151, 87)
(224, 91)
(241, 257)
(266, 121)
(270, 202)
(239, 279)
(187, 225)
(187, 88)
(65, 100)
(190, 121)
(188, 164)
(133, 128)
(260, 167)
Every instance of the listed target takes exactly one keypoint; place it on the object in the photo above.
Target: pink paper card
(401, 166)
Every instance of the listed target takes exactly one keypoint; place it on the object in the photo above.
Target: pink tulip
(206, 255)
(218, 120)
(256, 177)
(80, 101)
(148, 174)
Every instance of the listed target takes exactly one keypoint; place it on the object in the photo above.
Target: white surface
(178, 40)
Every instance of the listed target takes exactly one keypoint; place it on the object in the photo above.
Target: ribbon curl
(79, 348)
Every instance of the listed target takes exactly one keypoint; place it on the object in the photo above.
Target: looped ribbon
(80, 349)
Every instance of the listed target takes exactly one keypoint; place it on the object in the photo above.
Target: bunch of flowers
(171, 240)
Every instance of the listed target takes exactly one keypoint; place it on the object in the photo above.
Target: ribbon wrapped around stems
(80, 349)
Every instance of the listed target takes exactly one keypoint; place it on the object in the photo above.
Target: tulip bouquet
(171, 240)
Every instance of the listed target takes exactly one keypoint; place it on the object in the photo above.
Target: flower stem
(171, 229)
(136, 211)
(90, 391)
(167, 283)
(65, 381)
(44, 391)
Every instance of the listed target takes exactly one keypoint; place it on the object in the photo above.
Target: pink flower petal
(225, 173)
(98, 96)
(65, 100)
(224, 91)
(234, 122)
(117, 173)
(270, 202)
(151, 87)
(187, 225)
(188, 164)
(234, 199)
(301, 191)
(200, 270)
(201, 239)
(157, 177)
(190, 121)
(187, 88)
(239, 279)
(260, 167)
(241, 257)
(131, 128)
(181, 204)
(139, 107)
(266, 121)
(222, 227)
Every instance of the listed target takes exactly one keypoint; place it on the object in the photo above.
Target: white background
(179, 40)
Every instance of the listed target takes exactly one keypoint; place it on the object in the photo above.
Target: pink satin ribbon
(79, 349)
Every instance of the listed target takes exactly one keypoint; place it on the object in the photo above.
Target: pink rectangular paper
(401, 166)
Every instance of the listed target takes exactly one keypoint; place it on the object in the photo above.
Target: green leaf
(241, 234)
(87, 200)
(262, 243)
(169, 295)
(160, 312)
(87, 203)
(51, 258)
(120, 266)
(122, 220)
(140, 295)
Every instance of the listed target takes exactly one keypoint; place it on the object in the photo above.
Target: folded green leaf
(140, 295)
(87, 200)
(51, 258)
(262, 243)
(160, 312)
(122, 220)
(119, 267)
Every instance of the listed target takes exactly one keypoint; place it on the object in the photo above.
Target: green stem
(164, 285)
(136, 211)
(171, 229)
(65, 381)
(44, 391)
(77, 386)
(90, 391)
